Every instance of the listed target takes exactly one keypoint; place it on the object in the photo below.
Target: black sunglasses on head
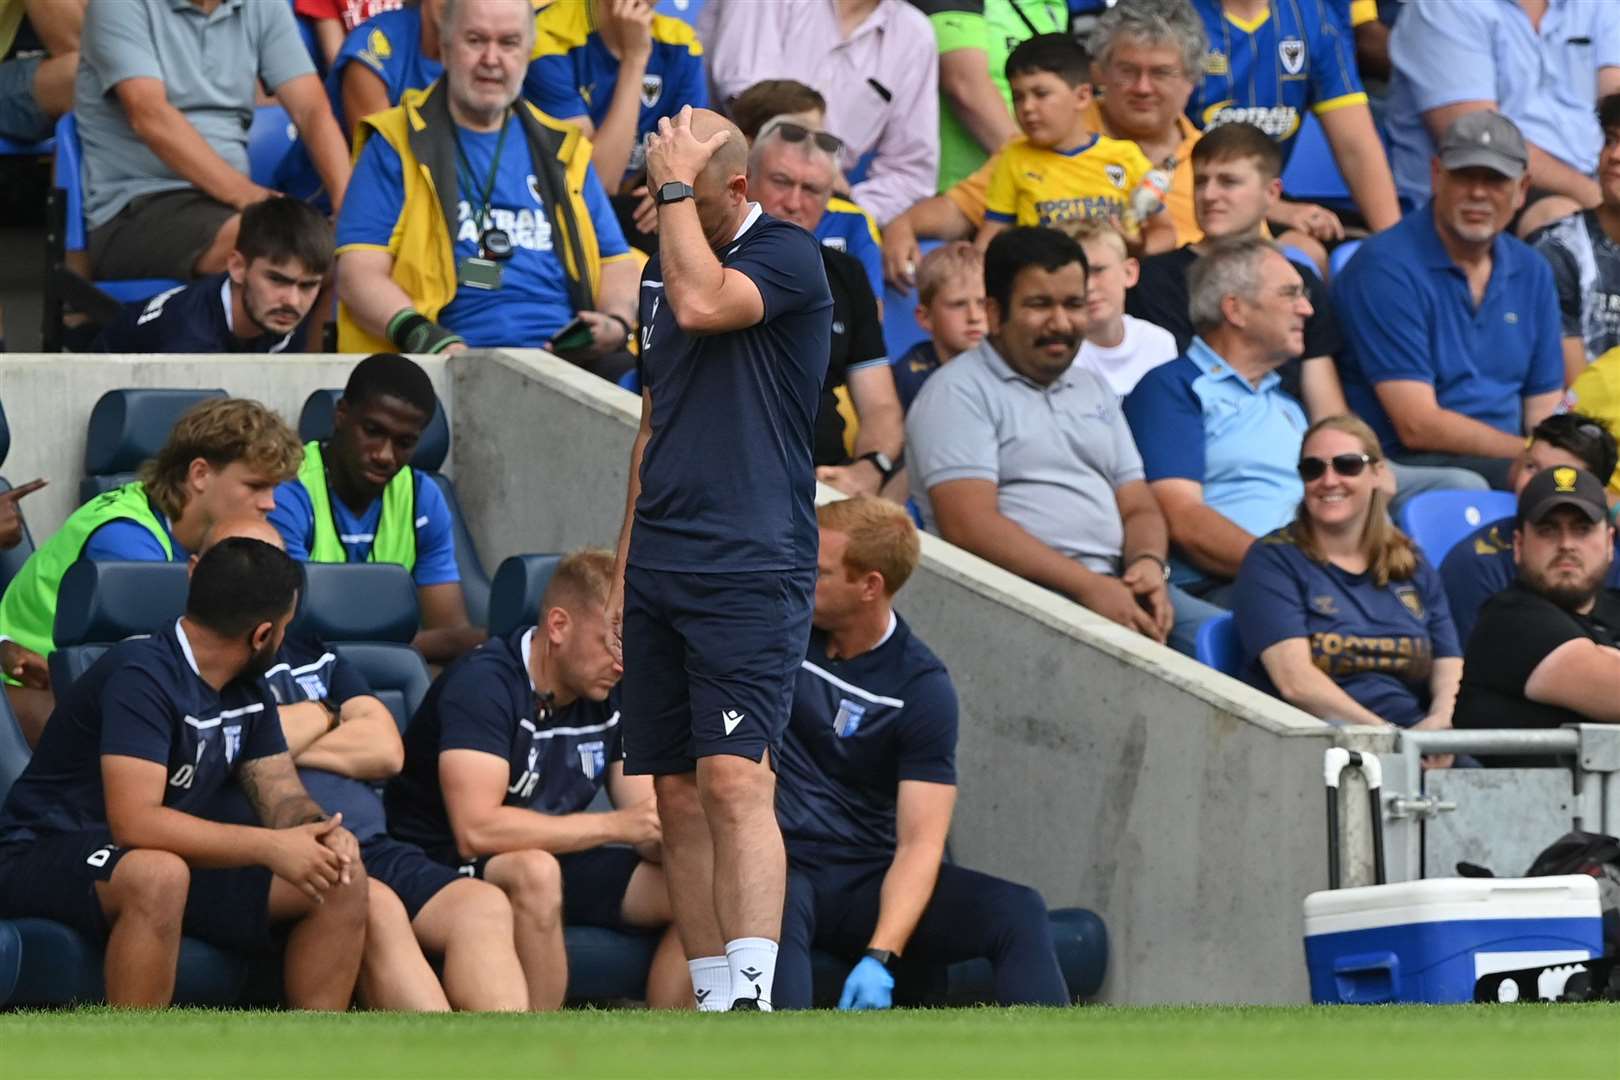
(1314, 468)
(797, 133)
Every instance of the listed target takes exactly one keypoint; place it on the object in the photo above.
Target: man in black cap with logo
(1543, 652)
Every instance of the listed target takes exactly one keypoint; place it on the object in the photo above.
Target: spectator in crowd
(343, 739)
(334, 20)
(1119, 348)
(612, 68)
(1027, 462)
(1269, 62)
(1215, 429)
(107, 829)
(1338, 612)
(39, 58)
(873, 60)
(1541, 64)
(507, 751)
(868, 784)
(1544, 652)
(1061, 171)
(975, 102)
(223, 459)
(1452, 325)
(282, 255)
(1371, 34)
(844, 227)
(1480, 565)
(1147, 55)
(164, 99)
(1584, 250)
(356, 499)
(535, 249)
(1596, 394)
(950, 310)
(391, 52)
(792, 179)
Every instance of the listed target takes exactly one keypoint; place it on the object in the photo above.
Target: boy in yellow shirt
(1061, 171)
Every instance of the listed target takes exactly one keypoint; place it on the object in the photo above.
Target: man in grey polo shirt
(1024, 460)
(164, 98)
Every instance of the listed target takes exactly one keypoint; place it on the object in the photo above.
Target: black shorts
(408, 870)
(594, 882)
(158, 236)
(713, 659)
(54, 877)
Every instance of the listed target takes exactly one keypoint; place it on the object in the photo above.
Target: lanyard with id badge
(483, 271)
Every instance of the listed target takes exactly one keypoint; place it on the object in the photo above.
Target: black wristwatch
(882, 956)
(674, 191)
(885, 465)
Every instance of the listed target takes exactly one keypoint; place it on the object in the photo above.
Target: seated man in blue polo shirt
(1452, 326)
(282, 256)
(356, 499)
(866, 783)
(1219, 437)
(502, 760)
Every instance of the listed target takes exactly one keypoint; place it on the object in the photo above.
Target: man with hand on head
(716, 562)
(107, 829)
(502, 760)
(343, 740)
(868, 783)
(356, 499)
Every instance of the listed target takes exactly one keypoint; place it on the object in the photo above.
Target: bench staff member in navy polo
(717, 556)
(504, 758)
(104, 829)
(867, 785)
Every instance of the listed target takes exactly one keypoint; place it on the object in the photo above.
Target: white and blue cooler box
(1428, 941)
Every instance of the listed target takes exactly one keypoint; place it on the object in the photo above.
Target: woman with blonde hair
(1338, 612)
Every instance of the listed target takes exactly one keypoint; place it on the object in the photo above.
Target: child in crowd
(950, 307)
(1119, 348)
(1061, 171)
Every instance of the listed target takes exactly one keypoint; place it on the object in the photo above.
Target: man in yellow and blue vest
(223, 459)
(478, 220)
(356, 499)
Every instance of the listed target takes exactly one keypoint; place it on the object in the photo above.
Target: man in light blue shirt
(1237, 481)
(1542, 63)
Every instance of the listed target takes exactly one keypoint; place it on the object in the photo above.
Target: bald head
(251, 528)
(731, 159)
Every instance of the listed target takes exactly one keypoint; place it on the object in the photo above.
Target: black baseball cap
(1563, 485)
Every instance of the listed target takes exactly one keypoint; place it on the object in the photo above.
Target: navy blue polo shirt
(557, 760)
(858, 728)
(727, 479)
(143, 699)
(1407, 314)
(1480, 565)
(306, 669)
(193, 318)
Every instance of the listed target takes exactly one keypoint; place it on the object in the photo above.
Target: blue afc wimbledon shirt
(1378, 644)
(532, 303)
(388, 45)
(294, 519)
(485, 701)
(143, 699)
(727, 480)
(857, 729)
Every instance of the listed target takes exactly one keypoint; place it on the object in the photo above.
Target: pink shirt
(745, 42)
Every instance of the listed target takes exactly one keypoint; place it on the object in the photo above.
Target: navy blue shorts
(594, 882)
(54, 877)
(711, 660)
(415, 877)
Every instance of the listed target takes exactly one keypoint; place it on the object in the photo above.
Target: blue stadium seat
(367, 613)
(127, 427)
(1340, 257)
(11, 560)
(315, 422)
(514, 595)
(1217, 645)
(102, 603)
(12, 148)
(1436, 520)
(1311, 174)
(269, 140)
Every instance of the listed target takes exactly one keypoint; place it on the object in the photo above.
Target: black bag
(1595, 855)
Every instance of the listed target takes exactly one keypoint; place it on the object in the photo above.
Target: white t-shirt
(1145, 346)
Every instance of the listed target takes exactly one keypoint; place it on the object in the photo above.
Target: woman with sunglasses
(1338, 612)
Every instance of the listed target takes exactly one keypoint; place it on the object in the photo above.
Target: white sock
(711, 983)
(753, 969)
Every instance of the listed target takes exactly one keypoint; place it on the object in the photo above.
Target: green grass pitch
(1514, 1041)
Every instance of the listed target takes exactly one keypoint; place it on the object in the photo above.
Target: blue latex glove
(869, 986)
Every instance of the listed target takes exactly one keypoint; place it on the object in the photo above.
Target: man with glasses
(1218, 434)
